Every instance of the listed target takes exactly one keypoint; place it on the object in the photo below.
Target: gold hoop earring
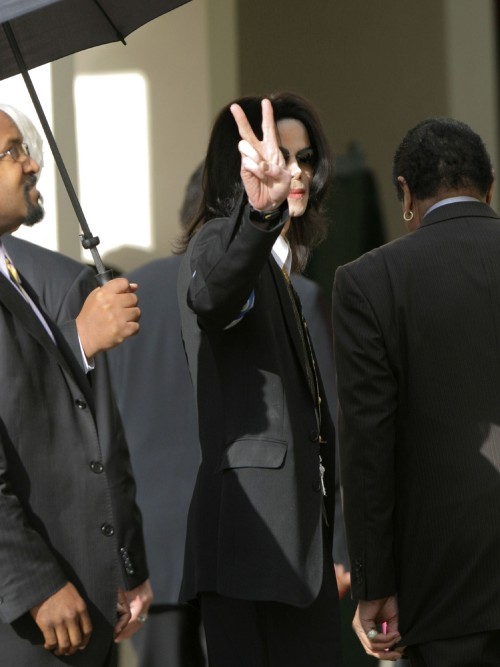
(408, 217)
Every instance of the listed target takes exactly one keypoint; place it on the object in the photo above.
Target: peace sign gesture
(263, 170)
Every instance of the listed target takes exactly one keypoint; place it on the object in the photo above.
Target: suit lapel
(290, 317)
(25, 315)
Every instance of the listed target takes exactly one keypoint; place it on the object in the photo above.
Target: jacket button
(80, 404)
(107, 530)
(97, 467)
(313, 435)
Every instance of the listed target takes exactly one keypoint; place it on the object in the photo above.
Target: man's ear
(489, 194)
(407, 196)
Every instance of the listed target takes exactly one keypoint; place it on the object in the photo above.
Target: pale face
(295, 146)
(19, 198)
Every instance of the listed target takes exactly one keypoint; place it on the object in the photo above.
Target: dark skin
(109, 316)
(65, 623)
(419, 207)
(370, 614)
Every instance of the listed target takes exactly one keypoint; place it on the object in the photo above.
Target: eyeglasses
(18, 152)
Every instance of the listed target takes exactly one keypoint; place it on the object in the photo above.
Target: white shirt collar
(3, 265)
(450, 200)
(282, 253)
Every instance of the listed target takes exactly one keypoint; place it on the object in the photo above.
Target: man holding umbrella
(71, 539)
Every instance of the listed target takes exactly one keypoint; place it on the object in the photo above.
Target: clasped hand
(109, 315)
(263, 168)
(65, 623)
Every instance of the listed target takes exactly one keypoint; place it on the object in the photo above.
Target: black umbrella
(35, 32)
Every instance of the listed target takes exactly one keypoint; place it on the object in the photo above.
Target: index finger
(244, 127)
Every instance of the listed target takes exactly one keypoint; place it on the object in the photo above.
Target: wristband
(265, 216)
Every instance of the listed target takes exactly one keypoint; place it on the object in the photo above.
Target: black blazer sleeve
(367, 396)
(227, 256)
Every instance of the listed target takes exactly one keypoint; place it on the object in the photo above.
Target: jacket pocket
(251, 453)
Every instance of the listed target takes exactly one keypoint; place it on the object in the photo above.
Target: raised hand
(263, 169)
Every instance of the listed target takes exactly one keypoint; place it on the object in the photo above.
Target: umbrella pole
(88, 241)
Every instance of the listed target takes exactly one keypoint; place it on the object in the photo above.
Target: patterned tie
(14, 276)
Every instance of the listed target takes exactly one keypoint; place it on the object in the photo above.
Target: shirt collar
(450, 200)
(3, 265)
(282, 253)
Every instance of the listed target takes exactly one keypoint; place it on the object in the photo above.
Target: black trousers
(246, 633)
(171, 637)
(477, 650)
(112, 657)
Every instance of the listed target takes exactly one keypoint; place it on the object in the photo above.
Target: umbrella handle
(104, 275)
(88, 241)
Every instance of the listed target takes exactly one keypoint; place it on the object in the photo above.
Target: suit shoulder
(376, 259)
(162, 268)
(305, 285)
(25, 253)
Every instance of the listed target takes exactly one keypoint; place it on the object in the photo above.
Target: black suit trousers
(272, 634)
(481, 649)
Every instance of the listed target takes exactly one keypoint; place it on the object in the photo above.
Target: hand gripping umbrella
(35, 32)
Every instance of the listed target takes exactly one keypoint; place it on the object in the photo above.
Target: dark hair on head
(192, 197)
(310, 229)
(221, 180)
(442, 154)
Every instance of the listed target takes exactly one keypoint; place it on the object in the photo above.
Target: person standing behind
(66, 503)
(258, 553)
(155, 397)
(417, 334)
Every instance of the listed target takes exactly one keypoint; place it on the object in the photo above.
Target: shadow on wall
(127, 258)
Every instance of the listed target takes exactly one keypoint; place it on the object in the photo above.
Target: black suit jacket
(255, 522)
(318, 313)
(67, 504)
(156, 399)
(417, 328)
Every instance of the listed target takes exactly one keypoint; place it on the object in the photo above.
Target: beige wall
(472, 70)
(374, 69)
(188, 57)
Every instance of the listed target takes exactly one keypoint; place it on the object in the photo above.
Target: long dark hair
(221, 181)
(310, 229)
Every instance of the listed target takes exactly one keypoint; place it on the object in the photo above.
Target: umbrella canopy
(35, 32)
(46, 30)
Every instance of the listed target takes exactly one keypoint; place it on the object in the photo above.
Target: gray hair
(30, 134)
